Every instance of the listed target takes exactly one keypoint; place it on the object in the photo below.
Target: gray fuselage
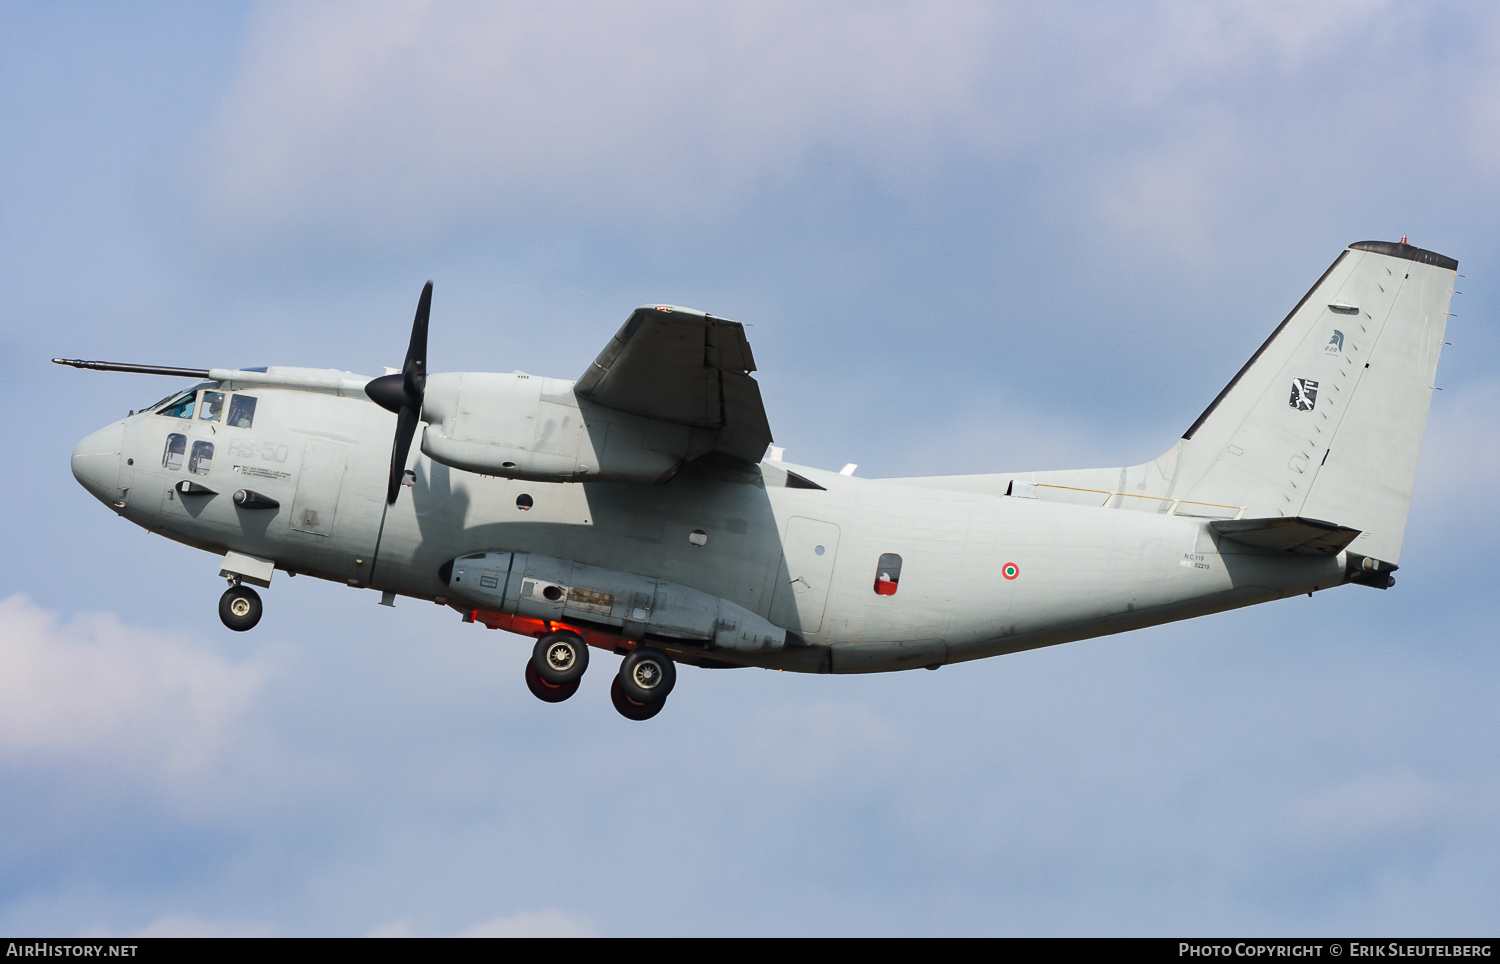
(980, 573)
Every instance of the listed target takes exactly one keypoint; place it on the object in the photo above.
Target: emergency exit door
(318, 483)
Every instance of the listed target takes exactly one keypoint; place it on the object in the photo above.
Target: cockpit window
(241, 411)
(212, 406)
(171, 456)
(158, 403)
(180, 407)
(202, 461)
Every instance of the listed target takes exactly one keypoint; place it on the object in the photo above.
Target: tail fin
(1325, 421)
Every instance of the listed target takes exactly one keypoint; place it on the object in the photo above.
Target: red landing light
(523, 626)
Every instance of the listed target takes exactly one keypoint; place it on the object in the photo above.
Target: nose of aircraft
(96, 462)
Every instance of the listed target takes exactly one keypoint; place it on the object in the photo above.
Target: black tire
(545, 691)
(560, 658)
(628, 707)
(239, 608)
(647, 675)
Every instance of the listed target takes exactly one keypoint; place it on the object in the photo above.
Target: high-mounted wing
(686, 367)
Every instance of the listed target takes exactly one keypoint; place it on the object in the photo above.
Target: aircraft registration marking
(1193, 560)
(268, 451)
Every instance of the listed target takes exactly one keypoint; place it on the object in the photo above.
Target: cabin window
(180, 407)
(887, 574)
(242, 411)
(212, 406)
(524, 502)
(202, 461)
(171, 456)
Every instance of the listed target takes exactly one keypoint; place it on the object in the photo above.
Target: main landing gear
(556, 666)
(240, 608)
(638, 691)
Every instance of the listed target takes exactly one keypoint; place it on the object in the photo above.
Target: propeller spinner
(403, 393)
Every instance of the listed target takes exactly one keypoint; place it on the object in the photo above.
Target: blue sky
(980, 238)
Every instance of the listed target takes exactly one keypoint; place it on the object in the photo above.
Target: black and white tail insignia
(1304, 394)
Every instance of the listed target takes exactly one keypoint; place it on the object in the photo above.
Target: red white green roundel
(1010, 570)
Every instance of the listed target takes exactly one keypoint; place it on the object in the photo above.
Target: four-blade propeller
(402, 393)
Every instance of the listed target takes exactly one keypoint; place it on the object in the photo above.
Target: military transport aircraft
(638, 510)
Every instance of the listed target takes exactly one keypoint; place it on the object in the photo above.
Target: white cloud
(542, 923)
(1373, 807)
(361, 116)
(1482, 96)
(195, 927)
(1461, 450)
(1172, 196)
(96, 688)
(546, 923)
(412, 106)
(820, 741)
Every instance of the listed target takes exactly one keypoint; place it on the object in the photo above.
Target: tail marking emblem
(1304, 394)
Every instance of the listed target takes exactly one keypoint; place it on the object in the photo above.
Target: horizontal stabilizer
(1310, 536)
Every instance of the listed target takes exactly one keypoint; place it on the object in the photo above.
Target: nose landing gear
(240, 608)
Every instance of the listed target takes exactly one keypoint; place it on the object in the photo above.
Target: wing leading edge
(686, 367)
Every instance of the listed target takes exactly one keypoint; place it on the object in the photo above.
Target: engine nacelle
(541, 587)
(524, 427)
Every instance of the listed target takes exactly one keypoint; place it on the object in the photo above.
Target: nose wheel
(240, 608)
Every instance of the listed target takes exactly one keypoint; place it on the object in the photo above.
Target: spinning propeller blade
(402, 393)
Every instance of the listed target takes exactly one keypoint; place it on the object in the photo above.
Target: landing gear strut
(556, 666)
(640, 689)
(239, 608)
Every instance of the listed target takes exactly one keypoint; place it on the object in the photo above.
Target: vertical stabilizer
(1325, 421)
